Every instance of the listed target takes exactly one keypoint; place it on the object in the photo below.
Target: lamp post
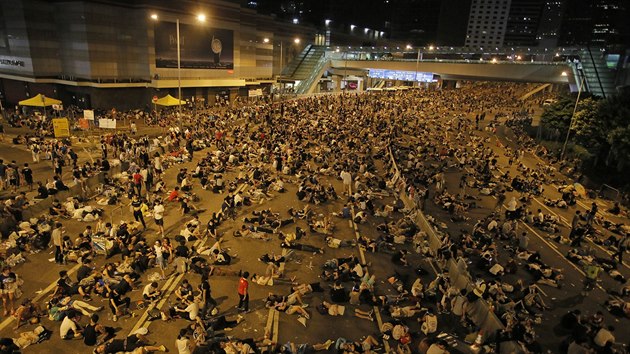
(200, 18)
(417, 64)
(577, 100)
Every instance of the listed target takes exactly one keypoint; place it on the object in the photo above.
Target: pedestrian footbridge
(320, 68)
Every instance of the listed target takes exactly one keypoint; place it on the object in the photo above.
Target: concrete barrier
(478, 311)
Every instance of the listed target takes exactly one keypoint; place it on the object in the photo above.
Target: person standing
(575, 224)
(346, 177)
(8, 284)
(57, 238)
(3, 174)
(591, 272)
(243, 293)
(137, 181)
(28, 176)
(622, 246)
(35, 152)
(158, 215)
(136, 207)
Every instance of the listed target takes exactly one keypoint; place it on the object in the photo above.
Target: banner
(61, 127)
(88, 114)
(255, 93)
(57, 107)
(201, 47)
(107, 123)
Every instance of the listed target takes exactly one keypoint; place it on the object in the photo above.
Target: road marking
(554, 248)
(569, 225)
(276, 323)
(377, 313)
(560, 217)
(170, 287)
(7, 321)
(561, 255)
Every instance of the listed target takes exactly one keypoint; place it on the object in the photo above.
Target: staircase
(307, 85)
(600, 80)
(302, 66)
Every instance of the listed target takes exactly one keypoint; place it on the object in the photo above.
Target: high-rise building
(487, 23)
(599, 23)
(550, 23)
(522, 23)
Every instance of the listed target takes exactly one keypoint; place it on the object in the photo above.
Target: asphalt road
(39, 273)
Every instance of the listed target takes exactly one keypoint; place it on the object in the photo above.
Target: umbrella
(580, 190)
(39, 101)
(169, 100)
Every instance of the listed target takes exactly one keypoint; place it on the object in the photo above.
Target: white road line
(561, 255)
(569, 225)
(7, 321)
(170, 285)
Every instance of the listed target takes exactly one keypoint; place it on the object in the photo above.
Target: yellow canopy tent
(39, 101)
(169, 100)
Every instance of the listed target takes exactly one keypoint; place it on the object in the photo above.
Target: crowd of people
(333, 150)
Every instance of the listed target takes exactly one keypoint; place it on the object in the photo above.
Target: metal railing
(305, 85)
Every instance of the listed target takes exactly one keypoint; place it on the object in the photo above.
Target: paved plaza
(423, 183)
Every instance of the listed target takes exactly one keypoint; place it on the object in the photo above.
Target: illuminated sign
(401, 75)
(12, 62)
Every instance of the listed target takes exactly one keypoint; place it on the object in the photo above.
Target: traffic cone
(478, 341)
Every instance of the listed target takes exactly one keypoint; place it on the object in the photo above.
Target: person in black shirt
(42, 191)
(84, 270)
(94, 330)
(136, 206)
(124, 286)
(206, 296)
(59, 185)
(182, 250)
(105, 165)
(118, 305)
(28, 176)
(67, 288)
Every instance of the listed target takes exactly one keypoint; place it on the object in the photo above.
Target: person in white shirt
(151, 291)
(158, 215)
(604, 336)
(190, 312)
(346, 177)
(183, 343)
(69, 328)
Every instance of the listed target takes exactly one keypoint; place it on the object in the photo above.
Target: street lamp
(577, 100)
(265, 40)
(201, 18)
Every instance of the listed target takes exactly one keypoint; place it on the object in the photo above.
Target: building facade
(487, 23)
(98, 54)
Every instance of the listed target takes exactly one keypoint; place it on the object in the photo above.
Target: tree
(615, 114)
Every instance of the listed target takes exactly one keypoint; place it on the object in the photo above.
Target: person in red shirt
(137, 181)
(243, 293)
(174, 195)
